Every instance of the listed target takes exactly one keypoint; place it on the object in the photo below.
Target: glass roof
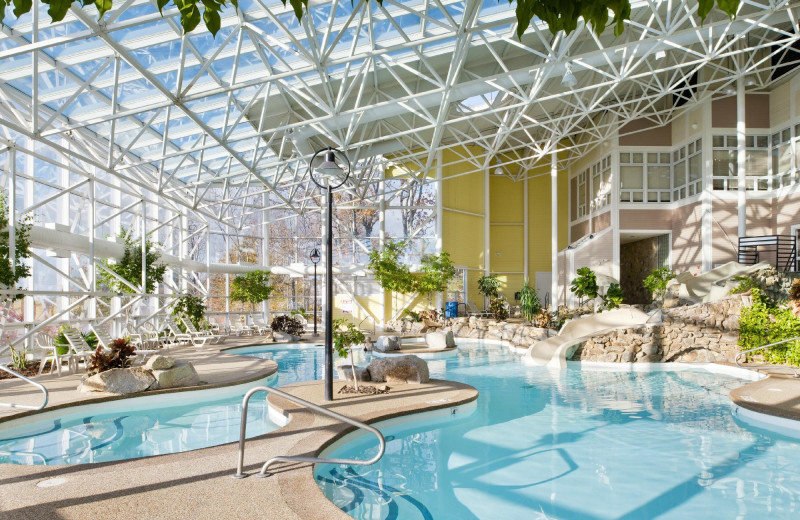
(401, 81)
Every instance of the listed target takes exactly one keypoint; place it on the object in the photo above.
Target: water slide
(710, 286)
(554, 352)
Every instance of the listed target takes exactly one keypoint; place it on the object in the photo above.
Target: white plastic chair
(44, 342)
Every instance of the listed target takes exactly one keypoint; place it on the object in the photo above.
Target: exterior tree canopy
(557, 14)
(251, 288)
(393, 275)
(11, 274)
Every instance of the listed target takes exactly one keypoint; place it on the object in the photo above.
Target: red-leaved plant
(118, 357)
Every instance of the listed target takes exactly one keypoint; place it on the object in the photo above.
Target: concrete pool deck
(199, 484)
(213, 365)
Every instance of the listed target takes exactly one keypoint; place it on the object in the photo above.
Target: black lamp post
(329, 173)
(315, 258)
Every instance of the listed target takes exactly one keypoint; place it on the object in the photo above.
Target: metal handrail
(763, 367)
(313, 460)
(34, 383)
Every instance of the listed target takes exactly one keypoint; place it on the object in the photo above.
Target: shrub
(499, 309)
(762, 323)
(746, 284)
(118, 357)
(529, 302)
(656, 282)
(488, 286)
(345, 336)
(288, 324)
(413, 316)
(585, 285)
(613, 297)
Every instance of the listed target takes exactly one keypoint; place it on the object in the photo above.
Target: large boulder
(346, 372)
(399, 369)
(119, 381)
(159, 362)
(437, 340)
(182, 373)
(449, 339)
(387, 343)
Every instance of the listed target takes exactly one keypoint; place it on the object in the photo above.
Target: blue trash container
(451, 310)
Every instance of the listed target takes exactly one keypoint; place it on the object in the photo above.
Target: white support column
(554, 227)
(382, 237)
(439, 214)
(525, 234)
(92, 303)
(487, 264)
(265, 252)
(741, 155)
(706, 198)
(615, 245)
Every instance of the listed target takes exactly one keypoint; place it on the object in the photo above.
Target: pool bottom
(576, 444)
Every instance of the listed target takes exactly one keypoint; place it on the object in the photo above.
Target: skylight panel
(478, 103)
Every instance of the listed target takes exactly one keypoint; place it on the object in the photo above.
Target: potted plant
(289, 325)
(529, 302)
(345, 336)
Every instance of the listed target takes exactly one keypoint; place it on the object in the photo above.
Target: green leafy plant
(190, 307)
(411, 315)
(118, 357)
(436, 272)
(656, 282)
(558, 15)
(390, 273)
(252, 288)
(288, 324)
(543, 319)
(613, 297)
(746, 284)
(585, 285)
(19, 358)
(488, 286)
(129, 267)
(345, 336)
(12, 273)
(529, 302)
(499, 309)
(300, 312)
(62, 345)
(762, 324)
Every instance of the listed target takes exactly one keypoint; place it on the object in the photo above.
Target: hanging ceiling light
(569, 80)
(750, 81)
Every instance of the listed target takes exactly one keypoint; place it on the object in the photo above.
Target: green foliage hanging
(488, 286)
(656, 282)
(10, 275)
(529, 303)
(192, 308)
(436, 272)
(559, 15)
(129, 268)
(762, 324)
(585, 285)
(345, 336)
(390, 273)
(252, 287)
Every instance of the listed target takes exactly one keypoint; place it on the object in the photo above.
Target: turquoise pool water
(577, 444)
(154, 425)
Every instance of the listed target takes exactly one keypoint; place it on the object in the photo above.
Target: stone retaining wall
(518, 334)
(704, 332)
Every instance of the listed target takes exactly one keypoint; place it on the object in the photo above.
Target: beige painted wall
(756, 111)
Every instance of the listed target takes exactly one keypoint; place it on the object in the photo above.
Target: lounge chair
(260, 324)
(472, 310)
(196, 339)
(81, 351)
(239, 329)
(44, 342)
(191, 329)
(215, 327)
(105, 340)
(174, 334)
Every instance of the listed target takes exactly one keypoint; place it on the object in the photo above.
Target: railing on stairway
(767, 367)
(779, 250)
(313, 460)
(34, 383)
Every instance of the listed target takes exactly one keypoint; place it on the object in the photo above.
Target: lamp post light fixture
(329, 176)
(315, 258)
